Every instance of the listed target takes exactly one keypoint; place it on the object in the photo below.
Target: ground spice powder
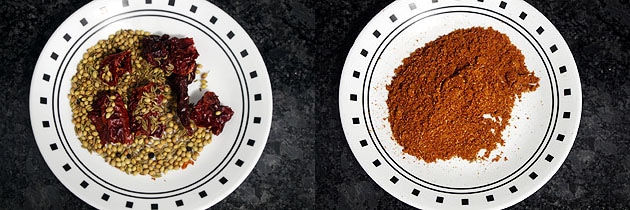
(454, 96)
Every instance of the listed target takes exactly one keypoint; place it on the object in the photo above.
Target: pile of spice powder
(454, 96)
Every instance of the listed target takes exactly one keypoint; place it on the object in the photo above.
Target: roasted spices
(454, 96)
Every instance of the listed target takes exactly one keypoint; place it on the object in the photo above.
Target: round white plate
(237, 74)
(543, 125)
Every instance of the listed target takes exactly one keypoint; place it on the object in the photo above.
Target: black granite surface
(307, 163)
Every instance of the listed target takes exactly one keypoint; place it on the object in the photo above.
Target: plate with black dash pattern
(237, 73)
(538, 139)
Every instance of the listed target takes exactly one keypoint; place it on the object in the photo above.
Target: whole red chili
(176, 55)
(111, 119)
(179, 85)
(113, 66)
(183, 55)
(208, 112)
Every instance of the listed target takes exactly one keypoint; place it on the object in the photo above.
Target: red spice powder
(454, 96)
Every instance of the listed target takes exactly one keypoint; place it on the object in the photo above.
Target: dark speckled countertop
(307, 163)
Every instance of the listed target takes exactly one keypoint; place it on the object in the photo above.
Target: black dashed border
(533, 175)
(376, 163)
(513, 189)
(376, 33)
(553, 48)
(363, 143)
(105, 197)
(67, 167)
(489, 198)
(54, 56)
(129, 204)
(439, 199)
(84, 184)
(562, 69)
(83, 22)
(566, 115)
(393, 18)
(560, 137)
(394, 179)
(549, 158)
(412, 6)
(567, 92)
(230, 35)
(415, 192)
(223, 180)
(203, 194)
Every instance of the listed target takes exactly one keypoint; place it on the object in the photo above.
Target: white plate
(237, 74)
(543, 125)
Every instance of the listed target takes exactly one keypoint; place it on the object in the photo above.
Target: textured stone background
(307, 163)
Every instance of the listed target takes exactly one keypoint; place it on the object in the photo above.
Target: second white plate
(543, 126)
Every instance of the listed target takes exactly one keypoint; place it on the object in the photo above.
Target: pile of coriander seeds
(146, 155)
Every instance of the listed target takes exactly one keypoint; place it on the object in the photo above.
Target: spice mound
(130, 103)
(454, 96)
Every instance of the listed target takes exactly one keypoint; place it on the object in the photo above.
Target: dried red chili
(183, 55)
(454, 96)
(179, 85)
(111, 119)
(155, 49)
(208, 112)
(146, 108)
(176, 55)
(113, 66)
